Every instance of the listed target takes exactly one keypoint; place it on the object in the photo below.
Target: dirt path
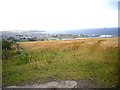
(65, 84)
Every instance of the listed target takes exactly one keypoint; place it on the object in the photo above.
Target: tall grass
(62, 60)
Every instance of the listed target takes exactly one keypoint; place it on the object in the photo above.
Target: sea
(99, 31)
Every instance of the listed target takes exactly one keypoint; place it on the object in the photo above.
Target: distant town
(43, 36)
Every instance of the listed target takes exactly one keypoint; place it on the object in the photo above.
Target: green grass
(76, 63)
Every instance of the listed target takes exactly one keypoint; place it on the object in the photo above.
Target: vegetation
(9, 49)
(62, 60)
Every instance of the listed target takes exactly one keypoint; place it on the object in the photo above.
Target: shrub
(6, 45)
(9, 49)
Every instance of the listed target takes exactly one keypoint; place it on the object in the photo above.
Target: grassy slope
(61, 60)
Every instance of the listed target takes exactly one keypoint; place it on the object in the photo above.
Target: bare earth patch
(64, 84)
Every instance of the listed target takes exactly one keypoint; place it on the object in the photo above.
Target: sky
(56, 15)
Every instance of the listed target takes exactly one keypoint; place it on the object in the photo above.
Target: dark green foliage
(8, 54)
(21, 59)
(24, 57)
(8, 51)
(6, 45)
(18, 52)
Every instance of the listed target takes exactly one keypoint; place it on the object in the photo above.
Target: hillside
(84, 59)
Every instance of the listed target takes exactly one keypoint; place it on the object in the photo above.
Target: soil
(65, 84)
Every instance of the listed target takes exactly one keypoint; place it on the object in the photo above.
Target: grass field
(93, 59)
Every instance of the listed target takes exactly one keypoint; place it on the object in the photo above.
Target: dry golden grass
(85, 43)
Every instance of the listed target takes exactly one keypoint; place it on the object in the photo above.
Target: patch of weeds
(23, 59)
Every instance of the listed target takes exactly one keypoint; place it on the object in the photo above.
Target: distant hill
(19, 31)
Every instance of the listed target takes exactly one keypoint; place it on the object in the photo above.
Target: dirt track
(65, 84)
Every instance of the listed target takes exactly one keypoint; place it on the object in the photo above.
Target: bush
(6, 45)
(9, 49)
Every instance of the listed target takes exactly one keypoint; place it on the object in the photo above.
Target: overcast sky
(52, 15)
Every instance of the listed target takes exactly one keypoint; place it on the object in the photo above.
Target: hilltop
(93, 59)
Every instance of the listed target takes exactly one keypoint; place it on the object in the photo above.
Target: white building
(105, 35)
